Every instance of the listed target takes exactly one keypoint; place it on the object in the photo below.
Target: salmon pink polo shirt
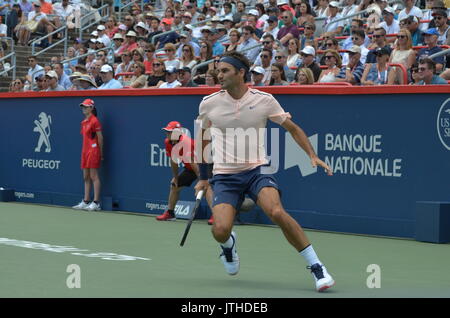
(237, 128)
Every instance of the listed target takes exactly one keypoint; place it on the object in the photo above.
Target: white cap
(190, 27)
(94, 33)
(215, 19)
(254, 12)
(117, 36)
(141, 25)
(101, 27)
(334, 4)
(259, 70)
(309, 50)
(106, 68)
(206, 27)
(52, 74)
(390, 10)
(123, 27)
(281, 2)
(131, 33)
(355, 49)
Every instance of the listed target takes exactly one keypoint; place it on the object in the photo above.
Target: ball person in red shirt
(179, 147)
(91, 156)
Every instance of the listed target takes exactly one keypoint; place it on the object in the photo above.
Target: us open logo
(443, 124)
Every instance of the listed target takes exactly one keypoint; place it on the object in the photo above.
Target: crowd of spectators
(295, 42)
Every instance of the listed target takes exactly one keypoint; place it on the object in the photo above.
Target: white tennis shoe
(230, 258)
(93, 207)
(81, 206)
(322, 278)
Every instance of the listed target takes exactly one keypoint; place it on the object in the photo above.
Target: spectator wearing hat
(227, 21)
(107, 76)
(353, 71)
(41, 83)
(390, 24)
(377, 73)
(430, 39)
(289, 30)
(185, 78)
(217, 47)
(94, 71)
(248, 45)
(427, 73)
(308, 55)
(85, 82)
(130, 42)
(141, 29)
(102, 35)
(74, 84)
(412, 24)
(170, 37)
(410, 10)
(440, 19)
(333, 62)
(91, 156)
(118, 43)
(139, 79)
(271, 26)
(186, 38)
(257, 76)
(330, 25)
(122, 29)
(52, 79)
(171, 79)
(137, 55)
(223, 37)
(379, 37)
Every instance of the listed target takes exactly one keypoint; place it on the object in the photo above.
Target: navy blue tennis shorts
(232, 188)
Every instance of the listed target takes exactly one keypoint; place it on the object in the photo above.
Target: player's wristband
(203, 168)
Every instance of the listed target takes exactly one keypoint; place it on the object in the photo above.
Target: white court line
(71, 249)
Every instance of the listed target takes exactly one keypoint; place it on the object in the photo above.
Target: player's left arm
(302, 140)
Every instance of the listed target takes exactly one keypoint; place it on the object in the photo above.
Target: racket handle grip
(199, 195)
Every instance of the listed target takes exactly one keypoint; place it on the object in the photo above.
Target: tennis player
(91, 156)
(179, 147)
(238, 107)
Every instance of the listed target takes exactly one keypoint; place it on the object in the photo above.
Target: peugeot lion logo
(43, 128)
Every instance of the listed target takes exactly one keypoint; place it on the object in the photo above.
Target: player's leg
(95, 205)
(268, 199)
(87, 185)
(84, 204)
(223, 222)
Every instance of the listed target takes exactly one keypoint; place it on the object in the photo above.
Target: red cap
(88, 103)
(166, 21)
(172, 126)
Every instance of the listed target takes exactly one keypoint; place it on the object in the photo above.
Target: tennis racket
(191, 219)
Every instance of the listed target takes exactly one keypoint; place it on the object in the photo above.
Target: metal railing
(11, 56)
(194, 69)
(130, 4)
(89, 15)
(39, 40)
(86, 54)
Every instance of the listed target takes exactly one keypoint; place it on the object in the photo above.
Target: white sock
(310, 255)
(228, 243)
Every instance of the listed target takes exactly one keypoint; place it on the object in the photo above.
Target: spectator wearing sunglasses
(378, 41)
(403, 53)
(430, 38)
(158, 73)
(289, 30)
(353, 71)
(427, 73)
(271, 26)
(307, 38)
(333, 62)
(412, 25)
(357, 39)
(171, 59)
(441, 21)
